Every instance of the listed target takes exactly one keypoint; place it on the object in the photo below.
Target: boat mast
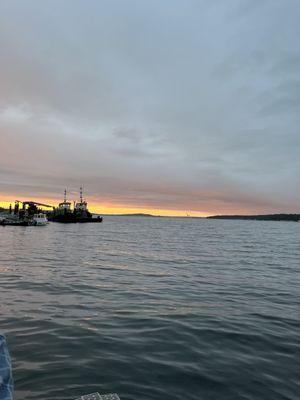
(81, 198)
(65, 196)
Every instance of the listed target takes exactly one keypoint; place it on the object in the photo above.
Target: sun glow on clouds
(114, 209)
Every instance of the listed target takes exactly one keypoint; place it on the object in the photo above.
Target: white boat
(40, 219)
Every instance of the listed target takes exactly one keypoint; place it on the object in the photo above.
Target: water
(153, 308)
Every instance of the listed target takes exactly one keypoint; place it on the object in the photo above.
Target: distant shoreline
(263, 217)
(266, 217)
(142, 215)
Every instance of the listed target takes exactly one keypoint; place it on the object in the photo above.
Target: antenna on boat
(81, 191)
(65, 196)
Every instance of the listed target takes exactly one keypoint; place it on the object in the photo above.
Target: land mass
(151, 215)
(267, 217)
(130, 215)
(136, 215)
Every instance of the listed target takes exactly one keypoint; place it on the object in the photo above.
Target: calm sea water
(153, 308)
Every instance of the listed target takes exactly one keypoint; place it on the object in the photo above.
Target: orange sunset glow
(115, 209)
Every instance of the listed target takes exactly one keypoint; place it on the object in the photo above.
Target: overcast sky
(159, 104)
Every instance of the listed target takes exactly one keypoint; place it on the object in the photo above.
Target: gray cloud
(188, 105)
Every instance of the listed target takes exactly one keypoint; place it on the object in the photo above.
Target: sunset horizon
(115, 208)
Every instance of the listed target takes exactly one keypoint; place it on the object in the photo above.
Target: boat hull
(7, 222)
(14, 223)
(71, 219)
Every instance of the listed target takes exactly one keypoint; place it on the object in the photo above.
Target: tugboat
(28, 215)
(64, 213)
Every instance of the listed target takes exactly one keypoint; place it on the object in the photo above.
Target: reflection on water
(153, 308)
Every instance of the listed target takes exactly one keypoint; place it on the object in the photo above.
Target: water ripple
(153, 309)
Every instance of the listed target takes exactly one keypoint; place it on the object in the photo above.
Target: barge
(25, 213)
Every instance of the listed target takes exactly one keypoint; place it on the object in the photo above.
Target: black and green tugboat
(80, 213)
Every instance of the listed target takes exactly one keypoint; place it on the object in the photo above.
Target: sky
(165, 106)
